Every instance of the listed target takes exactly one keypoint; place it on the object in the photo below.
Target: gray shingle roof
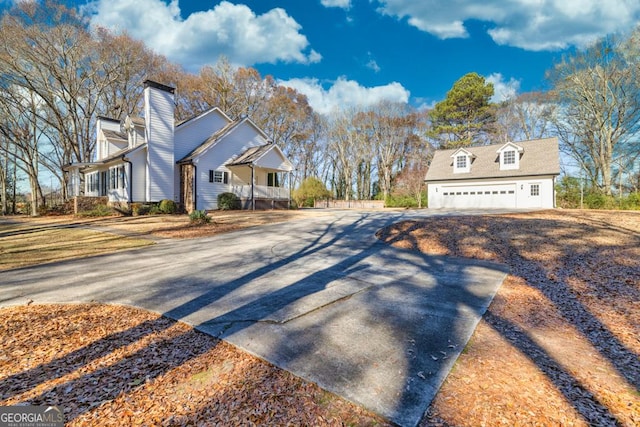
(251, 155)
(112, 135)
(121, 153)
(540, 157)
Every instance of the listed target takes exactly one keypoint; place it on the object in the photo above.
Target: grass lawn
(23, 244)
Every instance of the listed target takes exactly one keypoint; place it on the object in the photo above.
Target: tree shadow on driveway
(377, 325)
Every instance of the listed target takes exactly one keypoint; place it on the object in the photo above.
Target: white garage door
(479, 196)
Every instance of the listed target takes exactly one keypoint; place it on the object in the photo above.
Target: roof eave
(456, 178)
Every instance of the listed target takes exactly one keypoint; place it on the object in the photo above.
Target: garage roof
(540, 157)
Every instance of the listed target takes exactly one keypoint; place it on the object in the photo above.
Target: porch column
(253, 200)
(290, 188)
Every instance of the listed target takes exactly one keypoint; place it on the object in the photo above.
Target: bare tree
(525, 117)
(22, 137)
(344, 142)
(389, 126)
(598, 118)
(75, 74)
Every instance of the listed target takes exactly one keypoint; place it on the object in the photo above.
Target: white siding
(102, 151)
(273, 160)
(161, 164)
(508, 193)
(139, 178)
(193, 133)
(241, 139)
(114, 148)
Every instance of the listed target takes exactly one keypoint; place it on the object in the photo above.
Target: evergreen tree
(466, 116)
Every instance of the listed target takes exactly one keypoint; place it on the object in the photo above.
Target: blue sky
(357, 52)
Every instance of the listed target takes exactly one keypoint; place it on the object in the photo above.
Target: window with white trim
(219, 177)
(121, 176)
(509, 157)
(112, 179)
(535, 189)
(462, 163)
(92, 182)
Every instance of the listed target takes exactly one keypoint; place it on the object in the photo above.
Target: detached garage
(508, 176)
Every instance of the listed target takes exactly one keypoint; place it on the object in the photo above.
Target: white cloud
(503, 90)
(345, 93)
(228, 29)
(344, 4)
(529, 24)
(372, 64)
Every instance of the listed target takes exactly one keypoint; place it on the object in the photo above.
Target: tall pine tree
(466, 116)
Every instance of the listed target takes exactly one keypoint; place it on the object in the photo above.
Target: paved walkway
(319, 297)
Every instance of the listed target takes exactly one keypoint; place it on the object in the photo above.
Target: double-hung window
(273, 179)
(509, 157)
(219, 177)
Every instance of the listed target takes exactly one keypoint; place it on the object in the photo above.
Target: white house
(151, 159)
(511, 175)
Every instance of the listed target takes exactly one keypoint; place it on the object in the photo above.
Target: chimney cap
(156, 85)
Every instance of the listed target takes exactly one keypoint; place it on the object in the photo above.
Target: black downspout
(195, 186)
(253, 199)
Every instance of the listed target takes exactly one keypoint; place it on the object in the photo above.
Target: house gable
(191, 133)
(267, 156)
(462, 161)
(134, 128)
(109, 139)
(509, 156)
(234, 138)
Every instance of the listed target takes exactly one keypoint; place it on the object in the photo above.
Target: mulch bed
(560, 343)
(114, 365)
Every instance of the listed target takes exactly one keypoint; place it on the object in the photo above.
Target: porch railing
(261, 192)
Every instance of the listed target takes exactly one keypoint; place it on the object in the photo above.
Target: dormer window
(510, 156)
(462, 161)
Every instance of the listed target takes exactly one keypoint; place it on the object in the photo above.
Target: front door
(534, 200)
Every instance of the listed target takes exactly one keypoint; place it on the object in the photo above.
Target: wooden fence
(350, 204)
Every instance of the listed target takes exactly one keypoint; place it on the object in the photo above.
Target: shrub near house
(310, 190)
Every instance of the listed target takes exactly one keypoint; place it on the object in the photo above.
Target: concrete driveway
(319, 297)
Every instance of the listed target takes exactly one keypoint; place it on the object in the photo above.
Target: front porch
(260, 192)
(262, 196)
(262, 178)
